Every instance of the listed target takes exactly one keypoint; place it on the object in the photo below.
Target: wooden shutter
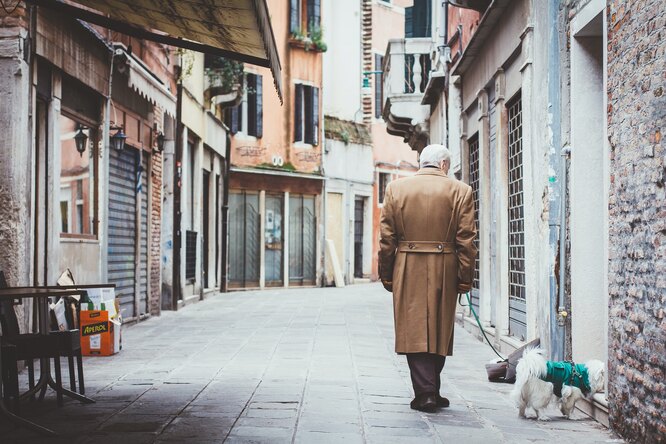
(251, 104)
(307, 114)
(409, 22)
(315, 116)
(379, 86)
(259, 106)
(298, 113)
(314, 14)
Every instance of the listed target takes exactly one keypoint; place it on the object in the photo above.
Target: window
(474, 183)
(306, 114)
(517, 259)
(255, 111)
(418, 19)
(248, 116)
(304, 16)
(77, 179)
(379, 86)
(516, 207)
(384, 179)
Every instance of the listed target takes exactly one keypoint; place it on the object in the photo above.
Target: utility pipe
(561, 309)
(224, 285)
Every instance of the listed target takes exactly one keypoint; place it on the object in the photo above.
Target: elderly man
(426, 258)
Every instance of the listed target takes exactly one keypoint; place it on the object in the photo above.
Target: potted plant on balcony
(224, 79)
(311, 41)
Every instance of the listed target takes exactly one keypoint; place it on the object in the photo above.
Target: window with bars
(516, 203)
(190, 255)
(306, 114)
(474, 183)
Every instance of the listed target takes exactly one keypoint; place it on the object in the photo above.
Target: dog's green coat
(562, 373)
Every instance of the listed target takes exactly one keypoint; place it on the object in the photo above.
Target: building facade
(348, 150)
(542, 104)
(86, 206)
(276, 183)
(394, 158)
(115, 155)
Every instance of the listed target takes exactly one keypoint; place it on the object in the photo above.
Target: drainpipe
(561, 309)
(225, 216)
(178, 165)
(557, 213)
(444, 50)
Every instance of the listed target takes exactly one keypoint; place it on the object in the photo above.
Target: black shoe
(425, 403)
(442, 401)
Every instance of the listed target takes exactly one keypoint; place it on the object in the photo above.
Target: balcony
(406, 74)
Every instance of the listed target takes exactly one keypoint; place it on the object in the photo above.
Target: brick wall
(155, 255)
(637, 267)
(19, 17)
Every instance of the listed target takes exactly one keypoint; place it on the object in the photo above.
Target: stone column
(16, 157)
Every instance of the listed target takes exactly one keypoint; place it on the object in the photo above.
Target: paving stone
(301, 365)
(308, 437)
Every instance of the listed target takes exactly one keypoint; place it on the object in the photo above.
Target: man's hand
(388, 285)
(464, 288)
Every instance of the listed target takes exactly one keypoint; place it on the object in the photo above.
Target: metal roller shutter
(122, 227)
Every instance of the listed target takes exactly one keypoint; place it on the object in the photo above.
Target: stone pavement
(294, 366)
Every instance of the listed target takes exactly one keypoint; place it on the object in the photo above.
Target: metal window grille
(190, 254)
(516, 204)
(474, 183)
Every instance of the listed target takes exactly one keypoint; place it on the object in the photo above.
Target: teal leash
(478, 322)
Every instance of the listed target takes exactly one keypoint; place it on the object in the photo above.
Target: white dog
(539, 380)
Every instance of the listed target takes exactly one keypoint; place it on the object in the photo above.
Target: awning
(236, 29)
(143, 82)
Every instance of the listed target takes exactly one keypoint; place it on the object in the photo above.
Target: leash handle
(478, 322)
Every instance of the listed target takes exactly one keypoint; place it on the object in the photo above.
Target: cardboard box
(100, 335)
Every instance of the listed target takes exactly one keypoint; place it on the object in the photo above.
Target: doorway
(359, 211)
(273, 241)
(589, 184)
(206, 226)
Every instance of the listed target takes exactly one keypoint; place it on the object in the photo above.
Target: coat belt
(426, 247)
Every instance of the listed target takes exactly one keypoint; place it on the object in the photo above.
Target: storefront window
(77, 180)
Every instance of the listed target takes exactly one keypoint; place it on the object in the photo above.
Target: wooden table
(42, 294)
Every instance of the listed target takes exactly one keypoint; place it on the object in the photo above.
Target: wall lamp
(366, 89)
(81, 139)
(160, 138)
(118, 139)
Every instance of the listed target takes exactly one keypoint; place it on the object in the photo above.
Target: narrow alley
(298, 365)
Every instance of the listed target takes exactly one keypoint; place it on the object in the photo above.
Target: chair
(17, 346)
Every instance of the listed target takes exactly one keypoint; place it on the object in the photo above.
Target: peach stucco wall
(298, 65)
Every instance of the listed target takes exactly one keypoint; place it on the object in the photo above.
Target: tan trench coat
(426, 249)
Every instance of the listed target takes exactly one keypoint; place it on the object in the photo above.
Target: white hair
(434, 155)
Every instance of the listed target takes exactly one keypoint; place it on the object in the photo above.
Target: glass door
(273, 241)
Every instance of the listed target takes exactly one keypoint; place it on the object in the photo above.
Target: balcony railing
(406, 74)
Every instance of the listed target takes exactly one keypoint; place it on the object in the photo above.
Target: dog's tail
(531, 365)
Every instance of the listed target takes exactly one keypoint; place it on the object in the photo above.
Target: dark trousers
(425, 369)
